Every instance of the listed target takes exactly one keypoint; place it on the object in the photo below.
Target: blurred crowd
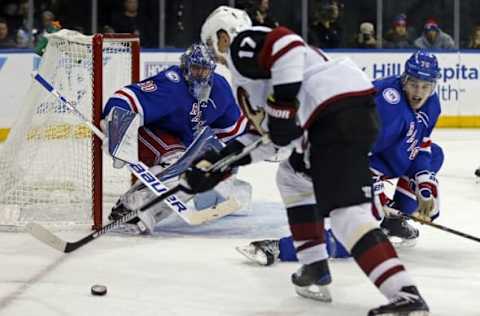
(331, 23)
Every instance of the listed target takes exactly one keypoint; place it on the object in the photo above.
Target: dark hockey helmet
(423, 66)
(198, 66)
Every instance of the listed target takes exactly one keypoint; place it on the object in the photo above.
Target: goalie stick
(47, 237)
(431, 224)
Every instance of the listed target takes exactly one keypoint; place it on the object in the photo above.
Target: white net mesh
(46, 163)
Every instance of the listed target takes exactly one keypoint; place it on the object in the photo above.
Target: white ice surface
(196, 271)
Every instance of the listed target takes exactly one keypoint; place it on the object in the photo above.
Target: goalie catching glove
(282, 123)
(199, 178)
(427, 195)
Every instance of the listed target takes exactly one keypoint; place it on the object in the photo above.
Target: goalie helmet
(227, 19)
(423, 66)
(198, 64)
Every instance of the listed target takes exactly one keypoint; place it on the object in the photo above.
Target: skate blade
(414, 313)
(400, 243)
(255, 256)
(315, 292)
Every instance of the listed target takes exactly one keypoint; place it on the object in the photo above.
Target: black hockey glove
(297, 161)
(282, 124)
(198, 177)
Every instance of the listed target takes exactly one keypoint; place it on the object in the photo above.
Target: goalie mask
(198, 65)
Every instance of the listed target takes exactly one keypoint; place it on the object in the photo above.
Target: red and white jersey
(261, 58)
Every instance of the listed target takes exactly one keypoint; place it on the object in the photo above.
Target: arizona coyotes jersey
(261, 58)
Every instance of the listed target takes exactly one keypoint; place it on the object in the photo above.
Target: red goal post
(52, 168)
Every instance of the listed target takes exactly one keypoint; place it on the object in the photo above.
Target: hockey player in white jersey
(174, 106)
(329, 103)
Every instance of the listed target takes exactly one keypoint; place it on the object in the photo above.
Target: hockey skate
(263, 252)
(399, 231)
(312, 280)
(407, 303)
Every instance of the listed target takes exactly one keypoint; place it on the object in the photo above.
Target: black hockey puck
(99, 290)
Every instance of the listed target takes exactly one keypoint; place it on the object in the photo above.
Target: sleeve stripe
(153, 139)
(284, 41)
(132, 98)
(427, 142)
(271, 51)
(233, 130)
(271, 60)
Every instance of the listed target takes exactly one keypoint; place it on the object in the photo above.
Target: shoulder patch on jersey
(391, 95)
(147, 86)
(172, 76)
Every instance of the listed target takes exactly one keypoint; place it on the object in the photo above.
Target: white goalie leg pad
(349, 224)
(231, 188)
(295, 188)
(135, 198)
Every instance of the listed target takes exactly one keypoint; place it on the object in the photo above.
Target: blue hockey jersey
(403, 144)
(164, 102)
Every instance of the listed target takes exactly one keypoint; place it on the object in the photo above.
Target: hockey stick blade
(434, 225)
(47, 237)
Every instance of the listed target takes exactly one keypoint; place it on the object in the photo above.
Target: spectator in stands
(130, 21)
(21, 39)
(260, 15)
(397, 36)
(49, 25)
(366, 37)
(107, 29)
(5, 39)
(434, 37)
(474, 41)
(325, 31)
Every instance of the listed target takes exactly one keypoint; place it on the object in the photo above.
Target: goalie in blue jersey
(172, 108)
(409, 108)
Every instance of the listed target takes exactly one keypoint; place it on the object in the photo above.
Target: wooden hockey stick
(431, 224)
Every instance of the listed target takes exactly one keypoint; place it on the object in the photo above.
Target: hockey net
(52, 168)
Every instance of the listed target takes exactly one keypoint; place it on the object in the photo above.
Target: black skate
(399, 231)
(407, 303)
(263, 252)
(312, 280)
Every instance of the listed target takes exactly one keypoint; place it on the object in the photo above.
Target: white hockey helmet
(227, 19)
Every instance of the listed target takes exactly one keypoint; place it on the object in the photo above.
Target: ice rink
(196, 271)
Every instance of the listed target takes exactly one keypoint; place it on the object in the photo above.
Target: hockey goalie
(172, 118)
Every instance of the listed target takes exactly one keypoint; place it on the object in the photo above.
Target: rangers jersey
(403, 144)
(164, 102)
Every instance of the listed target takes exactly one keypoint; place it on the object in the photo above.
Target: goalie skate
(312, 280)
(262, 252)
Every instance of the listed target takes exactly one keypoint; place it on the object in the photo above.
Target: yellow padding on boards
(3, 134)
(80, 131)
(52, 132)
(457, 121)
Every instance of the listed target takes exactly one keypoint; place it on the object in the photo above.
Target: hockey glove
(379, 199)
(282, 124)
(199, 178)
(427, 194)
